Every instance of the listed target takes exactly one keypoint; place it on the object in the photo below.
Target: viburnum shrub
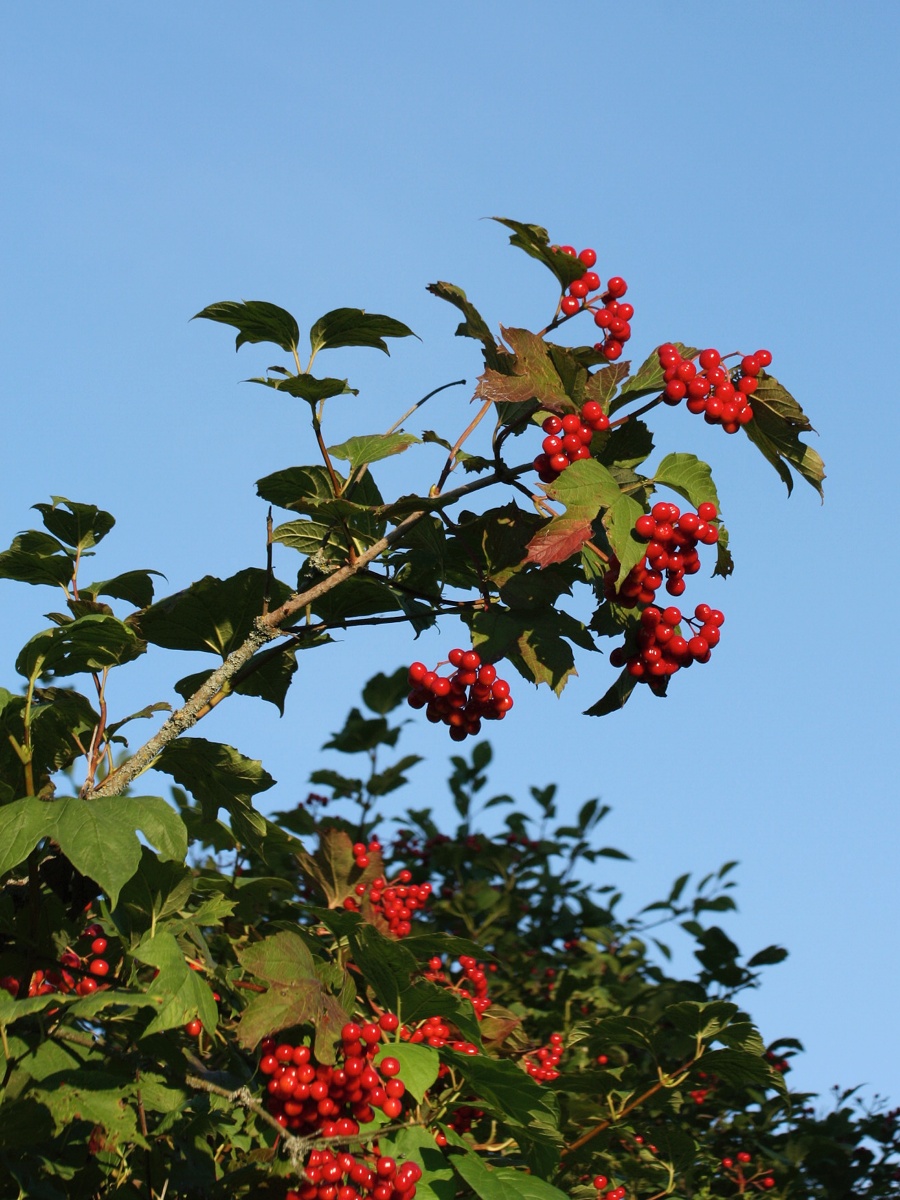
(199, 1000)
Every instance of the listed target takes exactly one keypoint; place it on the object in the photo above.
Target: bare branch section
(269, 627)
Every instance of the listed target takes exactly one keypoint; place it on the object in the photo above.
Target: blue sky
(737, 164)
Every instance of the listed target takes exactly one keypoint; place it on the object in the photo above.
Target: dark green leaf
(267, 676)
(136, 587)
(79, 525)
(255, 321)
(179, 993)
(535, 241)
(474, 325)
(307, 387)
(218, 776)
(212, 614)
(87, 644)
(778, 420)
(614, 698)
(383, 693)
(37, 558)
(354, 327)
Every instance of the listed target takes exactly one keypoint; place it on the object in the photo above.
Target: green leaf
(362, 734)
(535, 241)
(358, 451)
(474, 324)
(778, 420)
(383, 693)
(37, 558)
(212, 614)
(156, 890)
(412, 1143)
(690, 477)
(511, 1096)
(179, 993)
(701, 1019)
(295, 995)
(98, 837)
(267, 676)
(99, 1097)
(354, 327)
(298, 488)
(618, 521)
(218, 776)
(89, 643)
(255, 321)
(307, 387)
(22, 825)
(584, 488)
(649, 377)
(533, 375)
(627, 445)
(78, 525)
(736, 1066)
(136, 587)
(419, 1065)
(614, 698)
(502, 1183)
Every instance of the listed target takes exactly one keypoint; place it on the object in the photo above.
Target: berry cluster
(661, 650)
(613, 318)
(342, 1176)
(80, 973)
(548, 1058)
(722, 395)
(742, 1173)
(306, 1097)
(568, 439)
(672, 538)
(601, 1183)
(395, 902)
(473, 693)
(472, 973)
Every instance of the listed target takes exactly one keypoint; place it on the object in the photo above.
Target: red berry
(390, 1067)
(709, 359)
(99, 966)
(98, 945)
(570, 305)
(616, 286)
(588, 257)
(193, 1028)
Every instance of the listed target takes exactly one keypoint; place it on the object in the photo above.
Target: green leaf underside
(255, 321)
(368, 449)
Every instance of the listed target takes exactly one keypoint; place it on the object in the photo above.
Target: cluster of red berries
(548, 1058)
(722, 395)
(738, 1169)
(434, 1031)
(80, 973)
(661, 650)
(613, 318)
(472, 973)
(342, 1176)
(672, 538)
(473, 693)
(395, 902)
(306, 1097)
(568, 439)
(601, 1183)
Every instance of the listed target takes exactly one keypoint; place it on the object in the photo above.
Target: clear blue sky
(737, 163)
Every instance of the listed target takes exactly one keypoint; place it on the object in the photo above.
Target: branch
(266, 629)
